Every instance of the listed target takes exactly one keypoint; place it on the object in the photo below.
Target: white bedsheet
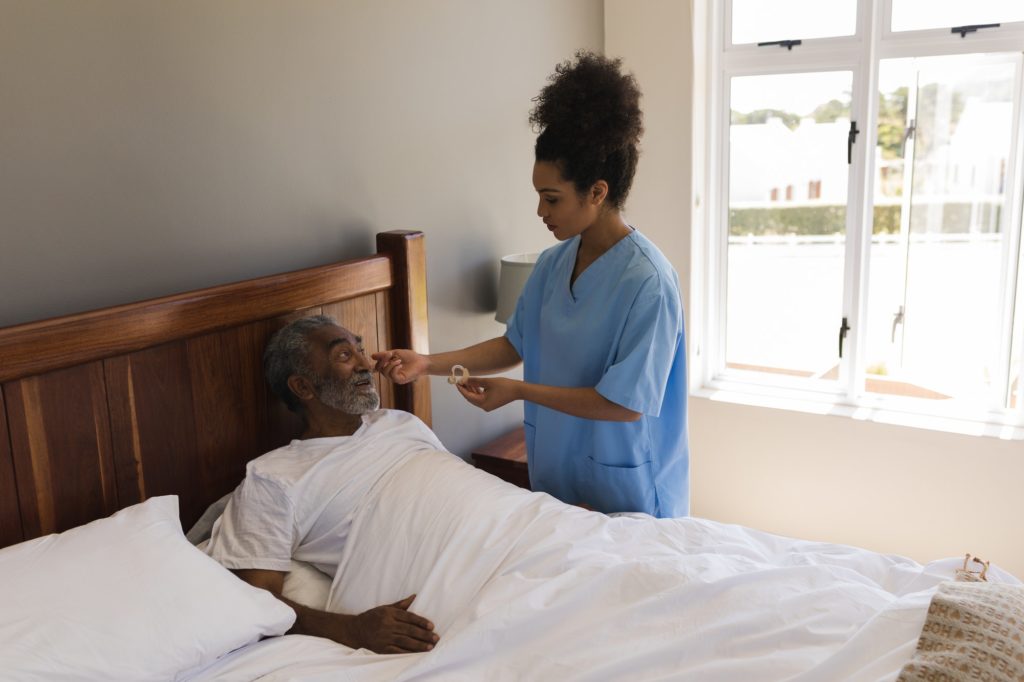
(522, 587)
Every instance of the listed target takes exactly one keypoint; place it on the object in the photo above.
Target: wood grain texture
(10, 516)
(408, 311)
(506, 458)
(227, 402)
(387, 392)
(61, 342)
(60, 438)
(152, 426)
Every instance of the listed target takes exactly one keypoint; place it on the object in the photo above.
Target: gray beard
(345, 396)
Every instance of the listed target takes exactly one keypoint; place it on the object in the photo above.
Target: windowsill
(809, 403)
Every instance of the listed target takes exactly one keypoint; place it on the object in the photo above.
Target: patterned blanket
(973, 631)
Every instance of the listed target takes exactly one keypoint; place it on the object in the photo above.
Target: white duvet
(523, 587)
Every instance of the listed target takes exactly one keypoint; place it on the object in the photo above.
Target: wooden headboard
(104, 409)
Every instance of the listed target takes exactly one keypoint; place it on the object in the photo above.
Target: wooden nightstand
(505, 457)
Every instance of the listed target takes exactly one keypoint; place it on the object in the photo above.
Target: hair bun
(588, 119)
(589, 97)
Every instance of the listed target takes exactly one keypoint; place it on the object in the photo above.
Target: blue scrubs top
(619, 329)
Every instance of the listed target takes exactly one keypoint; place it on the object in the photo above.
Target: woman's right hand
(401, 366)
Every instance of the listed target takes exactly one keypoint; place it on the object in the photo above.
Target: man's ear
(598, 192)
(301, 387)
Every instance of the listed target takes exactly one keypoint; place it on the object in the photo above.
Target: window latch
(843, 328)
(908, 135)
(788, 44)
(897, 319)
(971, 28)
(850, 139)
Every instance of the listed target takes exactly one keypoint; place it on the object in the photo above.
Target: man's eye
(552, 202)
(344, 355)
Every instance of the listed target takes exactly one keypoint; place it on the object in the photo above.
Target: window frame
(929, 34)
(860, 53)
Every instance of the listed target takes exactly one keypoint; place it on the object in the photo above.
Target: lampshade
(515, 270)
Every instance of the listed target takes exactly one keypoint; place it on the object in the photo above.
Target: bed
(120, 427)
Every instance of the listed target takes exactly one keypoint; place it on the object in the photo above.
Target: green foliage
(831, 111)
(954, 218)
(805, 220)
(892, 122)
(790, 120)
(831, 219)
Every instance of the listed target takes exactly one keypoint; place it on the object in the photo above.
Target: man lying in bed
(297, 501)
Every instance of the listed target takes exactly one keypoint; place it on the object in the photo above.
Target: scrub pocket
(621, 488)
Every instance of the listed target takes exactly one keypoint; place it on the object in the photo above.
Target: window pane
(757, 21)
(787, 221)
(937, 254)
(914, 15)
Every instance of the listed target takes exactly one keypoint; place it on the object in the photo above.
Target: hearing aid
(459, 375)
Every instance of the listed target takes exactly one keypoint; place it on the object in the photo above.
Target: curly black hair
(590, 123)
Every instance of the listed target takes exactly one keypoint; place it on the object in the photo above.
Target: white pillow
(124, 598)
(305, 584)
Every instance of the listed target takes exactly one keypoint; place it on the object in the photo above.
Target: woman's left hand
(489, 394)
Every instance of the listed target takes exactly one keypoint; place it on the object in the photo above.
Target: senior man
(297, 502)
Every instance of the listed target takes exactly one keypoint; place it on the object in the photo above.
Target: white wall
(650, 37)
(154, 147)
(925, 494)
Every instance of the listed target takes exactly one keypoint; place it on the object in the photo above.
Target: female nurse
(599, 325)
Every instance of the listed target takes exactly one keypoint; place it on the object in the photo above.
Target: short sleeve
(257, 528)
(514, 328)
(521, 328)
(515, 331)
(647, 348)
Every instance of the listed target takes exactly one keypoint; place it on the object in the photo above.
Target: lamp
(515, 270)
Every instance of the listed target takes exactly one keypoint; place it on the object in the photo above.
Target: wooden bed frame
(101, 410)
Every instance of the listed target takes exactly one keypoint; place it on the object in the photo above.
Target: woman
(599, 325)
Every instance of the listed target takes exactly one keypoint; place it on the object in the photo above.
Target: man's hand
(489, 394)
(401, 366)
(394, 629)
(388, 629)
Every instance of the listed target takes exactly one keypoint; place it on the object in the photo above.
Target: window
(915, 15)
(865, 189)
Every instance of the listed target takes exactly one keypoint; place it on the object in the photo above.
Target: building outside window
(865, 201)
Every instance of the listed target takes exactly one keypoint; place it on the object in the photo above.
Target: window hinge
(850, 139)
(843, 328)
(788, 44)
(970, 28)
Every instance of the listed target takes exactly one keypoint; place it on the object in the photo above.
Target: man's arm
(388, 629)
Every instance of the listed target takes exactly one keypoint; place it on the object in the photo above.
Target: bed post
(10, 514)
(408, 310)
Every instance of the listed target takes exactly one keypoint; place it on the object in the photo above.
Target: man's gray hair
(287, 353)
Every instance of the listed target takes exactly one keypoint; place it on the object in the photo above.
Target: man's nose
(365, 362)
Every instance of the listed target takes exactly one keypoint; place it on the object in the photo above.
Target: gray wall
(153, 147)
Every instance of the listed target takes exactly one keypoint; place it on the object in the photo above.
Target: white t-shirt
(297, 502)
